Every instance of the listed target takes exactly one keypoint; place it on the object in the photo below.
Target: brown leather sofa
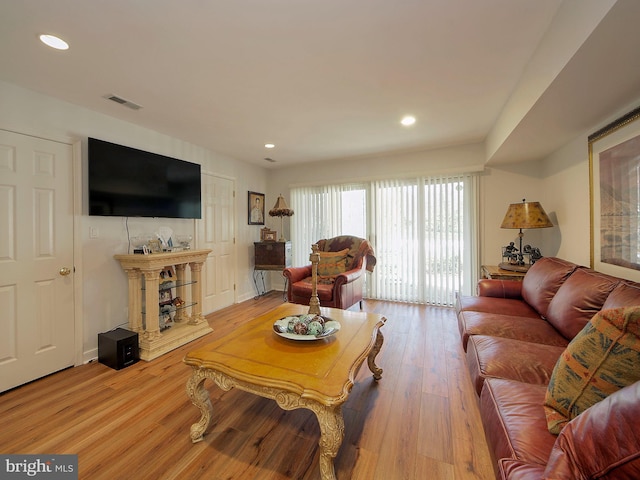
(513, 334)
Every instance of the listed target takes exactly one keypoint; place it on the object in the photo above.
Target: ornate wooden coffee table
(317, 375)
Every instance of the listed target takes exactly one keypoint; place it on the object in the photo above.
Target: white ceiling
(323, 79)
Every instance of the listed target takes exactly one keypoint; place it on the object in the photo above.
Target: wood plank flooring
(419, 422)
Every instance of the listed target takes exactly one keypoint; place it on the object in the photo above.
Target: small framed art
(267, 235)
(256, 208)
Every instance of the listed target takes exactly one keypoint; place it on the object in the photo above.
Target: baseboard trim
(90, 356)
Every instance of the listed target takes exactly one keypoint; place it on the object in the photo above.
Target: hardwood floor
(420, 421)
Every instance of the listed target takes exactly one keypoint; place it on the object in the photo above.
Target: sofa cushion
(602, 442)
(302, 290)
(603, 358)
(509, 306)
(514, 421)
(626, 294)
(510, 359)
(578, 299)
(535, 330)
(510, 469)
(493, 287)
(332, 263)
(543, 280)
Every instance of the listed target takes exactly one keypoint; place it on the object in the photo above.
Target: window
(423, 231)
(325, 212)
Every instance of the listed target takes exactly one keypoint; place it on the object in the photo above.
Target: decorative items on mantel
(159, 242)
(281, 209)
(522, 215)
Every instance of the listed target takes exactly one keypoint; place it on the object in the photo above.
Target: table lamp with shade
(281, 209)
(523, 215)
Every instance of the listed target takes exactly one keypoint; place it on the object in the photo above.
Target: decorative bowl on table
(306, 327)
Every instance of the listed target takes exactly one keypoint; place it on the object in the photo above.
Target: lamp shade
(280, 209)
(526, 215)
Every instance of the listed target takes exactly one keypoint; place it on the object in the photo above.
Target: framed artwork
(267, 235)
(154, 246)
(256, 208)
(165, 297)
(167, 274)
(614, 188)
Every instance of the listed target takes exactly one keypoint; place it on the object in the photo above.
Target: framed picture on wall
(256, 208)
(614, 188)
(267, 235)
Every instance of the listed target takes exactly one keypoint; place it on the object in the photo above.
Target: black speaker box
(118, 348)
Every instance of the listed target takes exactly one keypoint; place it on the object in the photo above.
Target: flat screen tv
(126, 182)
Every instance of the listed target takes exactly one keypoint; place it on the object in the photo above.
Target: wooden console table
(143, 272)
(275, 256)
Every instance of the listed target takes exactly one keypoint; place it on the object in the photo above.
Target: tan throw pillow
(332, 263)
(602, 358)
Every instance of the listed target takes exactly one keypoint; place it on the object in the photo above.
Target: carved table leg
(200, 398)
(371, 359)
(331, 436)
(331, 428)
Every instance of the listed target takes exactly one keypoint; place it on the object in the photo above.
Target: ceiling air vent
(122, 101)
(269, 159)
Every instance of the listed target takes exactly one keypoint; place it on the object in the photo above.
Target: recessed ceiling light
(408, 120)
(54, 42)
(269, 145)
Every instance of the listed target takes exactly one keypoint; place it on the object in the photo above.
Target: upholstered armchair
(341, 273)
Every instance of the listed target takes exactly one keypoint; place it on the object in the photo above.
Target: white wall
(104, 284)
(500, 187)
(566, 187)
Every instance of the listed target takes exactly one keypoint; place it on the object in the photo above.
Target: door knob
(64, 271)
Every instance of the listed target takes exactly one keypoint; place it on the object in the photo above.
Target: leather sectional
(513, 334)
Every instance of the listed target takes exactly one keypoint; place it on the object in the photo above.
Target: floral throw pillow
(601, 359)
(332, 263)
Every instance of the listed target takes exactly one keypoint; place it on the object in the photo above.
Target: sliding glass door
(423, 231)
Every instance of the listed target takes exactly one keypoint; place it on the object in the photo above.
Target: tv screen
(126, 182)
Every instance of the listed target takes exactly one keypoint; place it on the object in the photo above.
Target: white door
(216, 232)
(36, 246)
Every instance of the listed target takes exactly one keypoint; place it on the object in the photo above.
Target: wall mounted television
(126, 182)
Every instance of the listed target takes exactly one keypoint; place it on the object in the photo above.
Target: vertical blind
(324, 212)
(423, 231)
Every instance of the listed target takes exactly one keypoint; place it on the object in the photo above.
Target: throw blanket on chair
(359, 249)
